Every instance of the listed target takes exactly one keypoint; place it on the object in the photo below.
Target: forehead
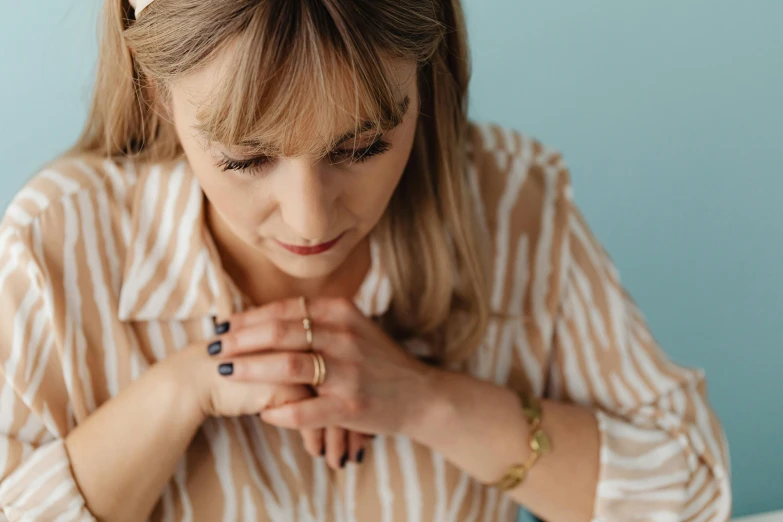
(328, 109)
(213, 73)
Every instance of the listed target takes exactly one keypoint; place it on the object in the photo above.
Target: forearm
(487, 433)
(124, 454)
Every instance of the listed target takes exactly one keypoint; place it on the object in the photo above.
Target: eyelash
(253, 165)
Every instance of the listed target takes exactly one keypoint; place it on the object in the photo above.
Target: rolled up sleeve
(36, 478)
(663, 454)
(42, 487)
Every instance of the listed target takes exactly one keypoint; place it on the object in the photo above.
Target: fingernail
(360, 456)
(226, 369)
(323, 449)
(215, 348)
(344, 459)
(222, 328)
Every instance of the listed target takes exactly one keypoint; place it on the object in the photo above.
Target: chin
(307, 267)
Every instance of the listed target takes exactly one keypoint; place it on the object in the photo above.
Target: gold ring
(319, 375)
(307, 322)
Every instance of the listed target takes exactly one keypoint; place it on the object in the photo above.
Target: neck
(263, 282)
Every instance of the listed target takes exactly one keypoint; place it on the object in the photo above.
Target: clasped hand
(372, 385)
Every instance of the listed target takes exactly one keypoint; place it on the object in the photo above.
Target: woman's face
(304, 216)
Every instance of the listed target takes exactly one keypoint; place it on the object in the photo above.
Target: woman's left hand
(372, 385)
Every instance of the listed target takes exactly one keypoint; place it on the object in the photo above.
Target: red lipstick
(310, 250)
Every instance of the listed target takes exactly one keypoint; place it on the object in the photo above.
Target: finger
(356, 444)
(318, 412)
(324, 310)
(338, 312)
(314, 442)
(285, 310)
(277, 368)
(275, 335)
(336, 447)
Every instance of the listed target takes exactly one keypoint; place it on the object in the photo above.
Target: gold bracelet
(539, 444)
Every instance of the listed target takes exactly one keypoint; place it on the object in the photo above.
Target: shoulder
(512, 169)
(525, 199)
(74, 205)
(84, 196)
(65, 184)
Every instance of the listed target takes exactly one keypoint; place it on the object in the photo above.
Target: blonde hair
(289, 54)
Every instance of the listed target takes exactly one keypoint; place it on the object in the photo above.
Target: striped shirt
(108, 267)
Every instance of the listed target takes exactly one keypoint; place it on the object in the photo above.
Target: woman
(278, 221)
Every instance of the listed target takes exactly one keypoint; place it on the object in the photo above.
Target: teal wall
(670, 115)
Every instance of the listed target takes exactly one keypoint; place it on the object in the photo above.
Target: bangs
(302, 72)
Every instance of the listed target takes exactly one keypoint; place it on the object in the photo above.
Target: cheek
(374, 185)
(237, 202)
(226, 193)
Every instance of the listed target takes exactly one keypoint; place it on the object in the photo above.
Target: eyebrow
(388, 122)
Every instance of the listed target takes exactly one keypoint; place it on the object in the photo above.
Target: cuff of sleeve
(643, 472)
(43, 488)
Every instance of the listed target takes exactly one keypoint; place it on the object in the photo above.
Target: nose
(306, 200)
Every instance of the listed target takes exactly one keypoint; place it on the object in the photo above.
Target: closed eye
(227, 163)
(255, 166)
(360, 155)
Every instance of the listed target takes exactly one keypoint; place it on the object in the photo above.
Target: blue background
(670, 115)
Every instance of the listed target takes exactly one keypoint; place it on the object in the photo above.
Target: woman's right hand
(195, 373)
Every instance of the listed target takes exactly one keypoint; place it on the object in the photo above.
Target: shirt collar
(172, 266)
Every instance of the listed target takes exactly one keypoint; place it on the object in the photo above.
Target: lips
(310, 250)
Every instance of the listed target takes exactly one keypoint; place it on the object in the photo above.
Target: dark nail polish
(215, 348)
(222, 328)
(360, 456)
(344, 459)
(323, 449)
(226, 369)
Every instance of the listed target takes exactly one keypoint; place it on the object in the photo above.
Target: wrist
(458, 410)
(174, 381)
(434, 408)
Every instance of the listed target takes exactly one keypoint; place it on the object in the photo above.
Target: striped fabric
(106, 268)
